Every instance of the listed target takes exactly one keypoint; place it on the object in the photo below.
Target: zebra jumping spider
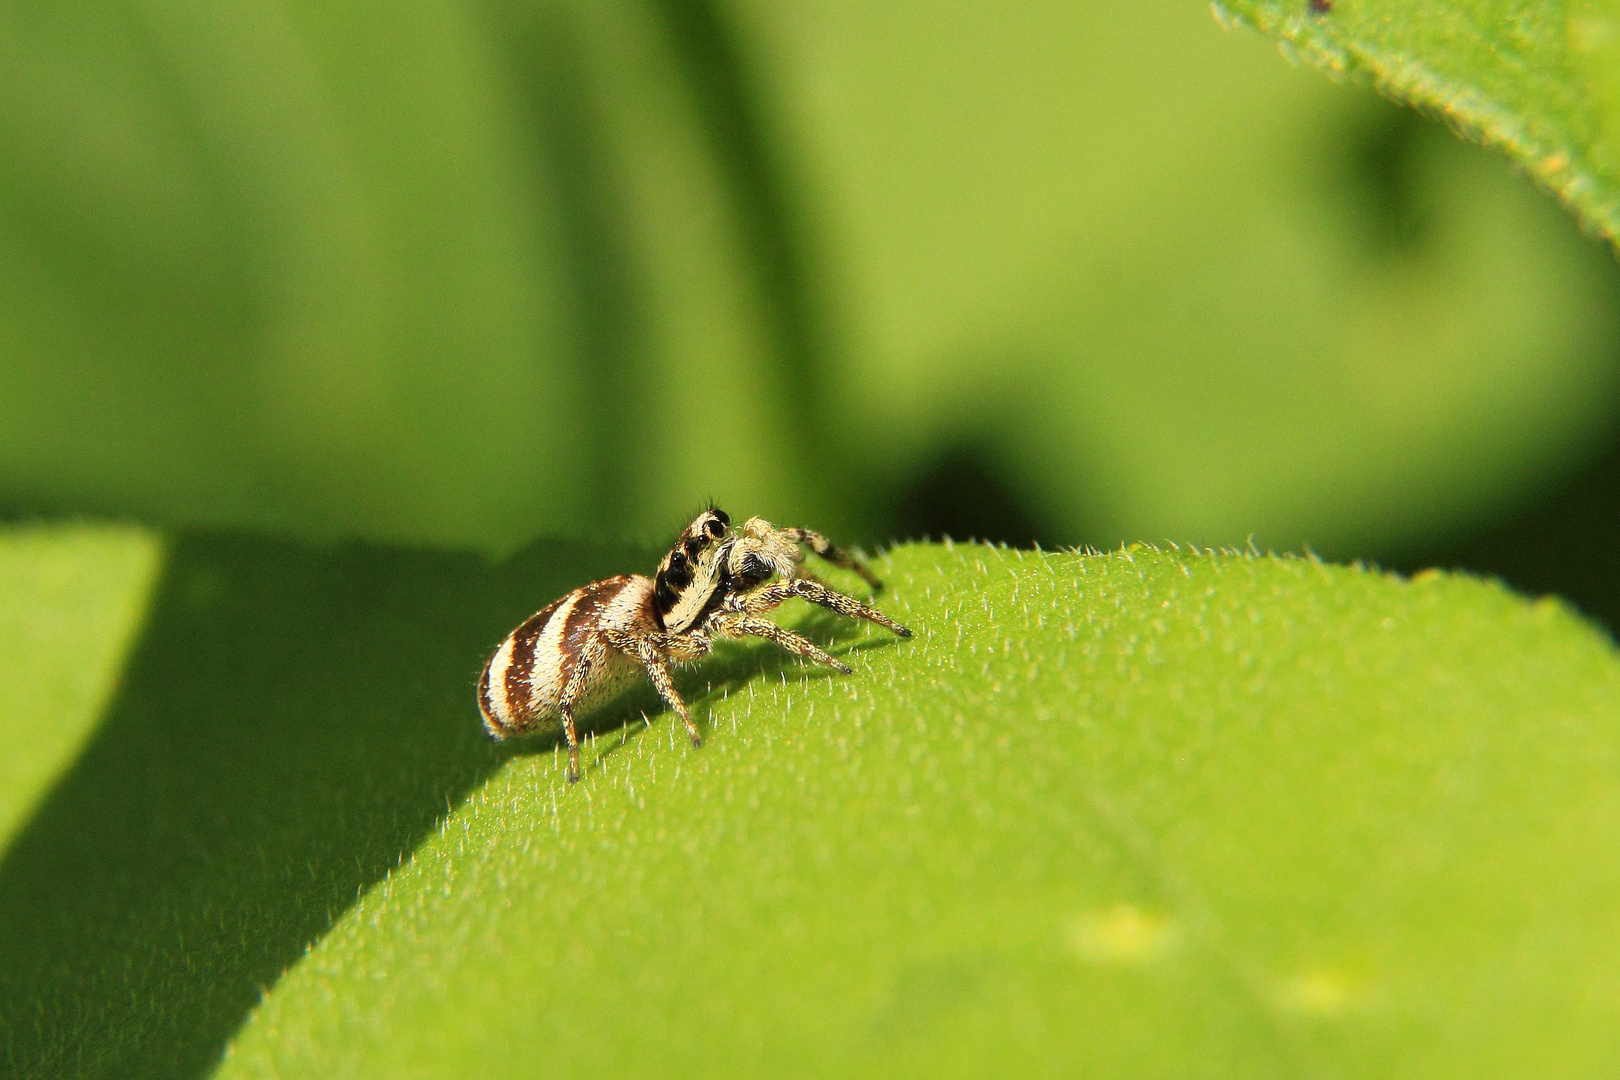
(583, 649)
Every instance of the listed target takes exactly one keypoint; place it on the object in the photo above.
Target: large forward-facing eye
(678, 571)
(716, 526)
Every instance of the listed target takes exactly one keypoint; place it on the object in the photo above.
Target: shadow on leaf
(293, 722)
(1560, 540)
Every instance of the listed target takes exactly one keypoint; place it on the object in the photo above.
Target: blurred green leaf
(1539, 81)
(464, 276)
(277, 265)
(427, 272)
(1148, 813)
(1165, 286)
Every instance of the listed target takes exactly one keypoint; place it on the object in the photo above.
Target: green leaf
(1153, 813)
(1540, 81)
(1147, 813)
(290, 723)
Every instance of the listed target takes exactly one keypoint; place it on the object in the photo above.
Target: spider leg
(825, 549)
(787, 639)
(653, 659)
(572, 690)
(762, 600)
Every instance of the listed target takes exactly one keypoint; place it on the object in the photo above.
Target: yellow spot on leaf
(1316, 993)
(1122, 934)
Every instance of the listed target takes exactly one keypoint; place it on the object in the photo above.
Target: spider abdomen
(523, 683)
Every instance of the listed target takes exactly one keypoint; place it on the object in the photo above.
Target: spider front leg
(825, 549)
(771, 596)
(651, 651)
(757, 627)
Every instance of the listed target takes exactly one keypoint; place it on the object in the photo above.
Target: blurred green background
(464, 275)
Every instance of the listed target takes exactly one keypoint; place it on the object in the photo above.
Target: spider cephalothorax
(693, 576)
(716, 582)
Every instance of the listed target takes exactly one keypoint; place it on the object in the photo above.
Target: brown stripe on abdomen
(557, 652)
(526, 635)
(594, 599)
(524, 680)
(524, 640)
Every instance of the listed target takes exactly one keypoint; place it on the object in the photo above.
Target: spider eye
(693, 546)
(716, 526)
(677, 560)
(720, 516)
